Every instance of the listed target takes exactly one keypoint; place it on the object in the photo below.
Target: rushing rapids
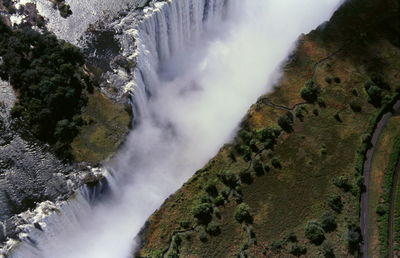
(199, 65)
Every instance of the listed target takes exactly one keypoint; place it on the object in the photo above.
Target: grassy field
(107, 123)
(310, 174)
(379, 165)
(397, 222)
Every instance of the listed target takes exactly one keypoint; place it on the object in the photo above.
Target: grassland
(380, 162)
(311, 172)
(396, 244)
(106, 124)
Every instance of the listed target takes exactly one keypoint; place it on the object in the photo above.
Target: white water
(201, 74)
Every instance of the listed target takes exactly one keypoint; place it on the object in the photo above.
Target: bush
(335, 202)
(328, 80)
(213, 228)
(342, 182)
(285, 122)
(327, 250)
(202, 235)
(337, 80)
(219, 200)
(229, 179)
(258, 168)
(245, 177)
(276, 163)
(337, 117)
(202, 212)
(211, 188)
(314, 232)
(185, 224)
(298, 250)
(353, 238)
(374, 93)
(328, 221)
(242, 213)
(310, 92)
(355, 106)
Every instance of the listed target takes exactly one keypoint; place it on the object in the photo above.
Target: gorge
(198, 65)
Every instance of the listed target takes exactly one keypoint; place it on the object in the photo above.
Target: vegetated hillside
(290, 182)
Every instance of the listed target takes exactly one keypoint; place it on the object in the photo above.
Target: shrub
(285, 122)
(310, 92)
(337, 80)
(185, 224)
(245, 177)
(353, 238)
(328, 221)
(327, 250)
(211, 188)
(314, 232)
(342, 182)
(275, 162)
(242, 213)
(213, 228)
(328, 80)
(374, 93)
(355, 92)
(337, 117)
(202, 212)
(335, 202)
(219, 200)
(315, 112)
(292, 237)
(258, 168)
(355, 106)
(381, 209)
(202, 235)
(229, 179)
(298, 250)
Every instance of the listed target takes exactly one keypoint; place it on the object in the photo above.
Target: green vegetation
(242, 213)
(384, 205)
(52, 87)
(310, 92)
(328, 221)
(314, 232)
(63, 8)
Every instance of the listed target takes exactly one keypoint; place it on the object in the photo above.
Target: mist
(197, 97)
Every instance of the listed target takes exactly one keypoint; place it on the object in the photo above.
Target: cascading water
(199, 65)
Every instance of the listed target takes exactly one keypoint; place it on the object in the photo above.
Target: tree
(276, 163)
(213, 228)
(242, 213)
(310, 92)
(355, 106)
(335, 202)
(298, 250)
(314, 232)
(202, 212)
(353, 238)
(258, 167)
(327, 250)
(229, 179)
(285, 122)
(328, 221)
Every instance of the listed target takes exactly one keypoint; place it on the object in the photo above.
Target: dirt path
(367, 172)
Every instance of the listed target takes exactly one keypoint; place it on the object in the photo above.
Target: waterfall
(200, 64)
